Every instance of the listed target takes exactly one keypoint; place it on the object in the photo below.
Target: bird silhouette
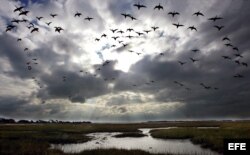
(227, 57)
(193, 60)
(132, 18)
(129, 36)
(48, 23)
(229, 45)
(113, 30)
(88, 18)
(159, 7)
(58, 29)
(198, 14)
(103, 35)
(34, 30)
(18, 9)
(244, 64)
(236, 49)
(53, 15)
(238, 55)
(139, 6)
(192, 28)
(237, 61)
(10, 27)
(125, 15)
(226, 39)
(77, 14)
(174, 13)
(15, 21)
(177, 25)
(238, 76)
(154, 28)
(120, 31)
(97, 39)
(115, 37)
(124, 45)
(39, 18)
(19, 39)
(23, 13)
(215, 18)
(195, 50)
(147, 31)
(218, 27)
(130, 29)
(139, 33)
(182, 63)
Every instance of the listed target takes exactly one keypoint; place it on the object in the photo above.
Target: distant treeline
(12, 121)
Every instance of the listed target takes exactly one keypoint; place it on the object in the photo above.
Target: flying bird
(174, 13)
(226, 39)
(129, 36)
(236, 49)
(139, 6)
(177, 25)
(193, 60)
(215, 18)
(34, 30)
(77, 14)
(244, 64)
(115, 37)
(120, 31)
(238, 76)
(113, 30)
(130, 29)
(58, 29)
(147, 31)
(195, 50)
(19, 9)
(125, 15)
(227, 57)
(23, 13)
(218, 27)
(159, 7)
(39, 18)
(53, 15)
(139, 33)
(198, 14)
(229, 45)
(192, 28)
(103, 35)
(88, 18)
(155, 28)
(48, 23)
(238, 55)
(182, 63)
(132, 18)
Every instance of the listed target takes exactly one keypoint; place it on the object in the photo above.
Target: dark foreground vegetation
(35, 139)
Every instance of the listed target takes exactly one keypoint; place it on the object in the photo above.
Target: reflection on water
(148, 143)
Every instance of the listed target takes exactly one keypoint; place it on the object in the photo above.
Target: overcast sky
(73, 76)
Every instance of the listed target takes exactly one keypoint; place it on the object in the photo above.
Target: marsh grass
(35, 139)
(207, 138)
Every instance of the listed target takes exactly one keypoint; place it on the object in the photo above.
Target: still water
(106, 140)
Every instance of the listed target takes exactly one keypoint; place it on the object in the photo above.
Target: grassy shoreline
(36, 139)
(207, 138)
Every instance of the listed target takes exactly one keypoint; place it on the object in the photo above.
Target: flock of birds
(118, 35)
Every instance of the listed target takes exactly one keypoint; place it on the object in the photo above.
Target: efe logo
(237, 146)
